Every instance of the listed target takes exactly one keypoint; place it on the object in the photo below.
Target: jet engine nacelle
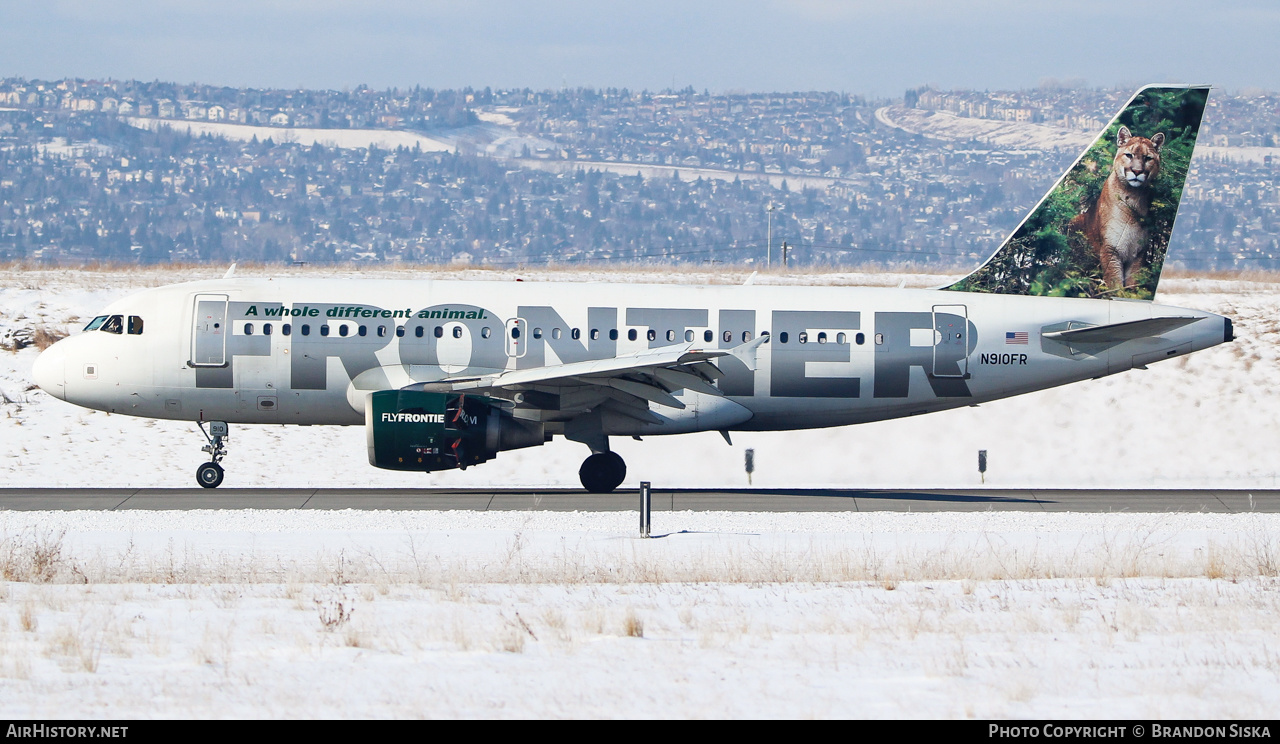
(416, 430)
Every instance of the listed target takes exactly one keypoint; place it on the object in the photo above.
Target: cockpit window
(96, 323)
(135, 325)
(114, 324)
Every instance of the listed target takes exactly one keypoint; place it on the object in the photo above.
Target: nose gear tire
(209, 475)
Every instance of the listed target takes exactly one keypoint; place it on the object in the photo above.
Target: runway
(754, 500)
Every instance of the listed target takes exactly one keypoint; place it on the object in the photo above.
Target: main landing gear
(209, 475)
(602, 472)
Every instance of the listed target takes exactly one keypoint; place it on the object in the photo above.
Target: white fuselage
(219, 350)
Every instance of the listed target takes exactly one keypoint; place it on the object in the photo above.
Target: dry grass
(37, 557)
(918, 275)
(40, 336)
(632, 625)
(43, 337)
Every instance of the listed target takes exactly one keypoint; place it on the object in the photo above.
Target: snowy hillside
(1205, 419)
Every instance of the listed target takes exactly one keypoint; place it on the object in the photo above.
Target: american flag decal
(1015, 337)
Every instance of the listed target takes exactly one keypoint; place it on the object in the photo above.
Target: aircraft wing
(625, 384)
(1117, 332)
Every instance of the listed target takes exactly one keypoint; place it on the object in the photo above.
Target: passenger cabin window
(248, 329)
(822, 337)
(96, 323)
(555, 333)
(613, 334)
(728, 337)
(782, 337)
(438, 332)
(266, 329)
(364, 331)
(115, 324)
(457, 331)
(485, 332)
(418, 331)
(400, 331)
(382, 331)
(342, 330)
(135, 325)
(652, 335)
(688, 336)
(286, 329)
(515, 331)
(631, 335)
(306, 329)
(840, 338)
(324, 330)
(708, 336)
(860, 339)
(671, 335)
(575, 334)
(746, 336)
(537, 333)
(595, 334)
(803, 337)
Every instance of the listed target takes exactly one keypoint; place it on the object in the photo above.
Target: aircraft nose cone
(49, 372)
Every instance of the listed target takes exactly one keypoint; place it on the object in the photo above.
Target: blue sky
(877, 48)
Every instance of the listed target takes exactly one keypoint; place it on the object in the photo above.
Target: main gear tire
(602, 472)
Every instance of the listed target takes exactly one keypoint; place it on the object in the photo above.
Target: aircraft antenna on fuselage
(230, 272)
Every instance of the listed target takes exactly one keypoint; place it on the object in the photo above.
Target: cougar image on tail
(1104, 232)
(1114, 226)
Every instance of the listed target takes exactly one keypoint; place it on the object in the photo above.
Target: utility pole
(785, 265)
(768, 241)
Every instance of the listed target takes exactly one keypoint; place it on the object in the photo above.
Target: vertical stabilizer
(1103, 229)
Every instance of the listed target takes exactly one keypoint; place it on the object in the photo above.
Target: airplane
(448, 374)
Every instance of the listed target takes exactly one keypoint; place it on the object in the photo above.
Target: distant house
(165, 109)
(279, 119)
(216, 113)
(126, 107)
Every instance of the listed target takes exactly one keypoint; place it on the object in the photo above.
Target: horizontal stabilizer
(1118, 332)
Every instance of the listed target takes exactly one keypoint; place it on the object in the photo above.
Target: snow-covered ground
(387, 139)
(1012, 135)
(523, 614)
(1208, 419)
(431, 614)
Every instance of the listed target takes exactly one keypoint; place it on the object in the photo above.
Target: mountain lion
(1114, 225)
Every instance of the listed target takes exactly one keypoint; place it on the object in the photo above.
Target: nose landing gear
(209, 475)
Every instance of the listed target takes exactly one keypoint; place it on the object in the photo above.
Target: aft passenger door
(209, 334)
(951, 341)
